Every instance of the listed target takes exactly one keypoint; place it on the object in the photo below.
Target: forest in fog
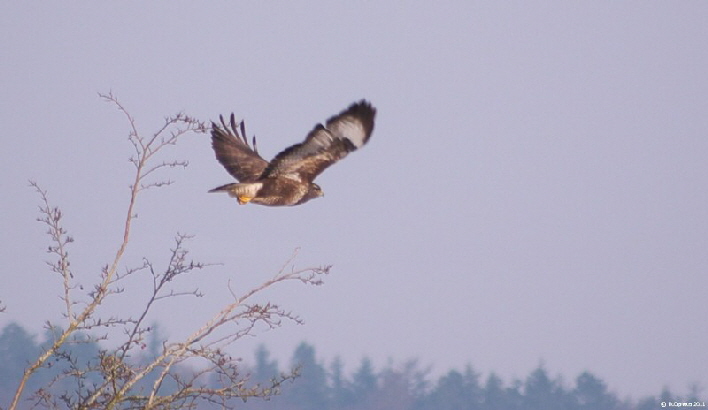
(321, 385)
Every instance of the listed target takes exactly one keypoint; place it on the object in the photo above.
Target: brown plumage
(288, 178)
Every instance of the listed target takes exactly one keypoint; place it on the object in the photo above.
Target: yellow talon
(243, 200)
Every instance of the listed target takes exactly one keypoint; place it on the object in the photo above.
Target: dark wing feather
(234, 153)
(344, 133)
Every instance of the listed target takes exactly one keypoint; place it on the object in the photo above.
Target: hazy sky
(536, 188)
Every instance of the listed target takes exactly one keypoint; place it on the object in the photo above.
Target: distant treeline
(404, 386)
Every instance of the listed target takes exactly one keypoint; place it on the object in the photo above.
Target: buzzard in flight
(288, 178)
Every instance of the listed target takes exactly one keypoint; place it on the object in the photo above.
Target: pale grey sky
(536, 187)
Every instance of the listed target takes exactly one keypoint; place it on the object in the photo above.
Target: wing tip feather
(364, 114)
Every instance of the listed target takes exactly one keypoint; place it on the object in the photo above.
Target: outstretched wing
(343, 133)
(234, 153)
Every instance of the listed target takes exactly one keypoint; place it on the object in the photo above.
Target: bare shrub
(181, 373)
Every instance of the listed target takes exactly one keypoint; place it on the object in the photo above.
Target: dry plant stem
(144, 151)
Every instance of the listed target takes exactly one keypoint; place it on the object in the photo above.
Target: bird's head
(315, 191)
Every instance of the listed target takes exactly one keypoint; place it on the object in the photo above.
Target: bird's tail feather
(241, 189)
(223, 188)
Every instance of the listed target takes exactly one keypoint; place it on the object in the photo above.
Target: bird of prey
(288, 178)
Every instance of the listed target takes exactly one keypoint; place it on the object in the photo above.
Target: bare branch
(51, 217)
(182, 373)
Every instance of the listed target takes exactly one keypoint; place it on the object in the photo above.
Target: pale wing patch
(246, 189)
(322, 137)
(349, 128)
